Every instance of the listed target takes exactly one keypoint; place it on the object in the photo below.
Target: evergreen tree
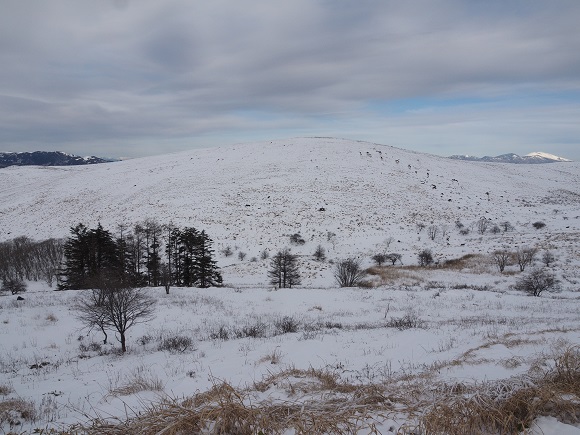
(188, 241)
(88, 253)
(208, 274)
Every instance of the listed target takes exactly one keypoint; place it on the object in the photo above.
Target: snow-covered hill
(468, 333)
(348, 196)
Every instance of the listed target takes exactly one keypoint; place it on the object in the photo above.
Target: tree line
(25, 259)
(149, 254)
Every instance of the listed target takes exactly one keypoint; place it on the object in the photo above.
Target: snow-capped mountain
(536, 157)
(46, 158)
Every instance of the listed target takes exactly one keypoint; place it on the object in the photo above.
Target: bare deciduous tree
(319, 254)
(379, 259)
(482, 225)
(425, 257)
(537, 281)
(393, 258)
(112, 305)
(548, 258)
(525, 256)
(13, 285)
(501, 258)
(284, 270)
(348, 273)
(432, 231)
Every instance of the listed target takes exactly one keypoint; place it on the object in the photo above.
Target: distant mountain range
(47, 158)
(537, 157)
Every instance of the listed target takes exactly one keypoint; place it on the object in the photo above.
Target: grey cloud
(132, 71)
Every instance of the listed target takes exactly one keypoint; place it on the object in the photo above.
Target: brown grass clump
(5, 390)
(385, 275)
(140, 381)
(510, 407)
(327, 404)
(13, 411)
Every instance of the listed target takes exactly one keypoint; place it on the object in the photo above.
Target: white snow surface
(548, 156)
(353, 198)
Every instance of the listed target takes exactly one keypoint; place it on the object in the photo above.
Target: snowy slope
(548, 156)
(473, 328)
(254, 193)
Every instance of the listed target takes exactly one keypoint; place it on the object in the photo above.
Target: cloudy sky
(129, 78)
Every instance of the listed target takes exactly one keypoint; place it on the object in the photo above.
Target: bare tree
(425, 257)
(284, 270)
(482, 225)
(379, 259)
(13, 285)
(537, 281)
(506, 226)
(525, 256)
(320, 253)
(348, 273)
(393, 258)
(432, 231)
(501, 258)
(114, 306)
(548, 258)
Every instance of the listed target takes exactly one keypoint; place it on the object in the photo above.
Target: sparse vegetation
(425, 257)
(348, 273)
(13, 285)
(319, 253)
(537, 281)
(525, 256)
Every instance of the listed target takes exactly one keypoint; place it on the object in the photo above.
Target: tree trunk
(123, 345)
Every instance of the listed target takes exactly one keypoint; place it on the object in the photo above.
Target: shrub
(13, 285)
(348, 273)
(286, 325)
(525, 256)
(241, 255)
(227, 251)
(538, 225)
(176, 344)
(548, 258)
(296, 239)
(536, 282)
(502, 258)
(425, 257)
(394, 257)
(408, 321)
(320, 253)
(257, 330)
(464, 231)
(379, 259)
(264, 254)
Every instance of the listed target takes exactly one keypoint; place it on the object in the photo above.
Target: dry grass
(385, 275)
(510, 407)
(140, 380)
(327, 404)
(13, 411)
(5, 390)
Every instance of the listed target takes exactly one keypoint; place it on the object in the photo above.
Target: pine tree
(88, 254)
(208, 274)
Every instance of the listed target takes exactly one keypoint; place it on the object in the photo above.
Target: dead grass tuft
(511, 406)
(13, 411)
(140, 380)
(328, 404)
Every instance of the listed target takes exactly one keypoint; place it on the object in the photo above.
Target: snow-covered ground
(355, 199)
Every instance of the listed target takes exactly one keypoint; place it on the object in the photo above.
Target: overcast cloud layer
(132, 78)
